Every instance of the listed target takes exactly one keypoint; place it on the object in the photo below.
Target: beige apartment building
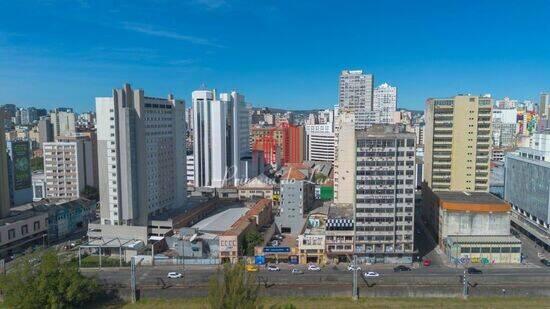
(69, 166)
(344, 164)
(457, 143)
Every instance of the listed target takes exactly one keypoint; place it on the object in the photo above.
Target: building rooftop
(340, 211)
(222, 221)
(385, 130)
(491, 239)
(471, 201)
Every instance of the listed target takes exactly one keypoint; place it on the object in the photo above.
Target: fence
(182, 261)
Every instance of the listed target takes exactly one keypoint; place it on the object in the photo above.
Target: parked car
(473, 271)
(174, 275)
(427, 262)
(296, 271)
(401, 268)
(313, 267)
(354, 268)
(545, 262)
(279, 237)
(371, 274)
(252, 268)
(273, 268)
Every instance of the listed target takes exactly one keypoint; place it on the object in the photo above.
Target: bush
(42, 281)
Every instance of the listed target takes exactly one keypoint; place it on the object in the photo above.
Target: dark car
(401, 268)
(545, 262)
(474, 271)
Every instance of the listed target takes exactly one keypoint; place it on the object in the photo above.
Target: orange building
(281, 145)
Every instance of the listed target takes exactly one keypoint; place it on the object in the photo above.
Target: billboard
(21, 154)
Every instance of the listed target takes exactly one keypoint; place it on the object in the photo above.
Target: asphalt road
(155, 277)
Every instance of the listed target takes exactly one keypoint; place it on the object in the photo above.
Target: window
(475, 249)
(11, 233)
(24, 230)
(36, 225)
(485, 250)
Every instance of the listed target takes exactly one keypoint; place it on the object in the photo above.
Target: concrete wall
(468, 223)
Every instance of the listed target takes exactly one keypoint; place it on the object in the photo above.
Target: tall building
(4, 182)
(457, 143)
(19, 171)
(504, 126)
(385, 103)
(320, 142)
(63, 122)
(384, 194)
(69, 167)
(141, 156)
(527, 188)
(344, 164)
(220, 139)
(45, 130)
(28, 115)
(356, 95)
(544, 105)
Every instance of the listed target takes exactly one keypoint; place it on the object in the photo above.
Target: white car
(296, 271)
(174, 275)
(371, 274)
(313, 267)
(273, 268)
(352, 268)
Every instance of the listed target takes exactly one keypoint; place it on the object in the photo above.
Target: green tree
(233, 287)
(43, 281)
(251, 240)
(37, 164)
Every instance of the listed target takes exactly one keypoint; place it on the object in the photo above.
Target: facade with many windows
(384, 194)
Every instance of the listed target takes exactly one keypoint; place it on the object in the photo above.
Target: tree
(37, 164)
(43, 281)
(233, 287)
(251, 240)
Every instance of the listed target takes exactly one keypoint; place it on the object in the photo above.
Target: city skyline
(281, 55)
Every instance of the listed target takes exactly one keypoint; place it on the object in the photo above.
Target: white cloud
(149, 30)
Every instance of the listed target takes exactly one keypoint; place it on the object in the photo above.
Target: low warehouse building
(471, 227)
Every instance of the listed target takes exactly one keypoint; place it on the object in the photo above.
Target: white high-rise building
(63, 122)
(141, 156)
(385, 103)
(355, 94)
(220, 139)
(544, 105)
(504, 126)
(320, 142)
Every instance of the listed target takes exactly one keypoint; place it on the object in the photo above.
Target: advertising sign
(276, 249)
(21, 165)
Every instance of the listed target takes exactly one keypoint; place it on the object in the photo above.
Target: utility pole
(133, 278)
(355, 293)
(465, 285)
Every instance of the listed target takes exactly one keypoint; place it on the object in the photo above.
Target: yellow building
(457, 143)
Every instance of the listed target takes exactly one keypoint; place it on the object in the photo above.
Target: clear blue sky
(285, 54)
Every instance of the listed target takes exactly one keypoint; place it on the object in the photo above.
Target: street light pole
(465, 285)
(355, 295)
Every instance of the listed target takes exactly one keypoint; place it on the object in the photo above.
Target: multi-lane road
(336, 281)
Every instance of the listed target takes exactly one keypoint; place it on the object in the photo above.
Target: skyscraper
(457, 143)
(141, 156)
(344, 164)
(19, 171)
(4, 183)
(355, 94)
(384, 103)
(221, 145)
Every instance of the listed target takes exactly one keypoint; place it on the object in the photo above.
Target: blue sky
(285, 54)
